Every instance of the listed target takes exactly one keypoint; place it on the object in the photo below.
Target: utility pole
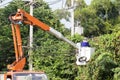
(72, 18)
(31, 38)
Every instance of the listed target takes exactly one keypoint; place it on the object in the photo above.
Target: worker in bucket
(85, 43)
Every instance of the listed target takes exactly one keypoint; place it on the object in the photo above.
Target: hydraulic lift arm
(23, 17)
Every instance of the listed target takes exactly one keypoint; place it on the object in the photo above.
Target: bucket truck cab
(24, 75)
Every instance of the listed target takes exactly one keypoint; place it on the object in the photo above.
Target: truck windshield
(30, 76)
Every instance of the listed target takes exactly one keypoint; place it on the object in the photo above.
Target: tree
(6, 42)
(48, 50)
(56, 57)
(42, 12)
(99, 17)
(104, 64)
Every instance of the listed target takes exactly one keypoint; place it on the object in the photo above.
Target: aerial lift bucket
(83, 54)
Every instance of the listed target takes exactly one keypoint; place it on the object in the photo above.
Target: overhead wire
(2, 4)
(54, 2)
(49, 3)
(1, 1)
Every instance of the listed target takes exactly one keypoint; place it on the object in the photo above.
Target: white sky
(54, 6)
(57, 5)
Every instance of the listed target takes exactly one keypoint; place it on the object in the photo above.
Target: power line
(54, 2)
(4, 2)
(1, 1)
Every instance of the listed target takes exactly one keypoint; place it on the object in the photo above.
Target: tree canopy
(101, 19)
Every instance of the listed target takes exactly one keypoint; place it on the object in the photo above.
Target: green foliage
(6, 42)
(53, 57)
(77, 38)
(62, 14)
(56, 57)
(5, 47)
(7, 50)
(117, 73)
(106, 57)
(98, 18)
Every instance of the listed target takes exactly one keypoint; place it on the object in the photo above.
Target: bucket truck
(16, 71)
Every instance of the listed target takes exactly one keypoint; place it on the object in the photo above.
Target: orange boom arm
(23, 17)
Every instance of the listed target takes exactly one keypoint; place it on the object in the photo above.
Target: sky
(59, 6)
(59, 3)
(5, 2)
(54, 4)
